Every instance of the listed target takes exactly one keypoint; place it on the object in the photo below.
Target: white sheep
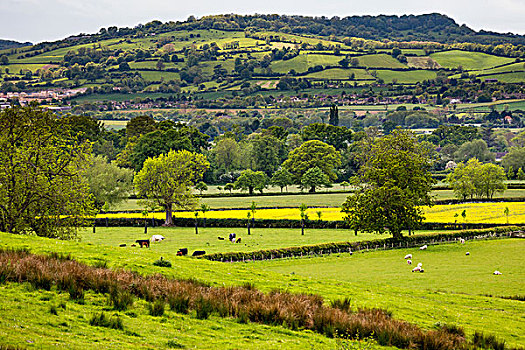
(416, 269)
(423, 247)
(157, 238)
(497, 273)
(419, 265)
(408, 256)
(409, 262)
(467, 253)
(462, 241)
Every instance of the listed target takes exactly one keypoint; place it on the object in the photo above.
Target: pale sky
(47, 20)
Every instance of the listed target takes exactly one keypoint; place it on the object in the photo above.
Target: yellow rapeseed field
(475, 213)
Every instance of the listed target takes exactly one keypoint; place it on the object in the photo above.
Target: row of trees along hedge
(346, 247)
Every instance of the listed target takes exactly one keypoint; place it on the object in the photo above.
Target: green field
(302, 62)
(468, 60)
(311, 200)
(380, 61)
(439, 262)
(406, 77)
(373, 279)
(206, 239)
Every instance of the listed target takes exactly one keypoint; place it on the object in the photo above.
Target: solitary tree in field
(313, 179)
(229, 187)
(506, 212)
(201, 186)
(251, 180)
(311, 154)
(281, 178)
(253, 209)
(42, 190)
(248, 216)
(166, 180)
(204, 208)
(393, 183)
(196, 222)
(302, 210)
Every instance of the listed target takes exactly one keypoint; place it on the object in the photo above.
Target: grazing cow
(220, 238)
(423, 247)
(157, 238)
(143, 242)
(238, 240)
(198, 253)
(122, 245)
(231, 237)
(183, 251)
(497, 273)
(133, 245)
(408, 256)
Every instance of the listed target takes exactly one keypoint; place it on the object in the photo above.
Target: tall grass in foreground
(295, 311)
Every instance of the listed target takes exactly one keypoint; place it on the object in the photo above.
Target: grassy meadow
(207, 238)
(373, 279)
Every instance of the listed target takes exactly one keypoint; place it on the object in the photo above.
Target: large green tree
(41, 188)
(175, 137)
(338, 136)
(392, 184)
(312, 154)
(251, 180)
(313, 179)
(167, 180)
(107, 182)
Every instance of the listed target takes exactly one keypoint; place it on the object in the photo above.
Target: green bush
(101, 320)
(179, 303)
(156, 308)
(162, 263)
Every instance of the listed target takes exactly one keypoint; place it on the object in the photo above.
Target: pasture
(468, 60)
(422, 304)
(207, 238)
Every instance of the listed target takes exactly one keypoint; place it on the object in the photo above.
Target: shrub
(76, 293)
(156, 308)
(162, 263)
(174, 345)
(179, 303)
(341, 304)
(453, 329)
(101, 320)
(204, 308)
(483, 341)
(42, 281)
(53, 310)
(120, 300)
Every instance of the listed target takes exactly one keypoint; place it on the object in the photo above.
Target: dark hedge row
(347, 247)
(269, 223)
